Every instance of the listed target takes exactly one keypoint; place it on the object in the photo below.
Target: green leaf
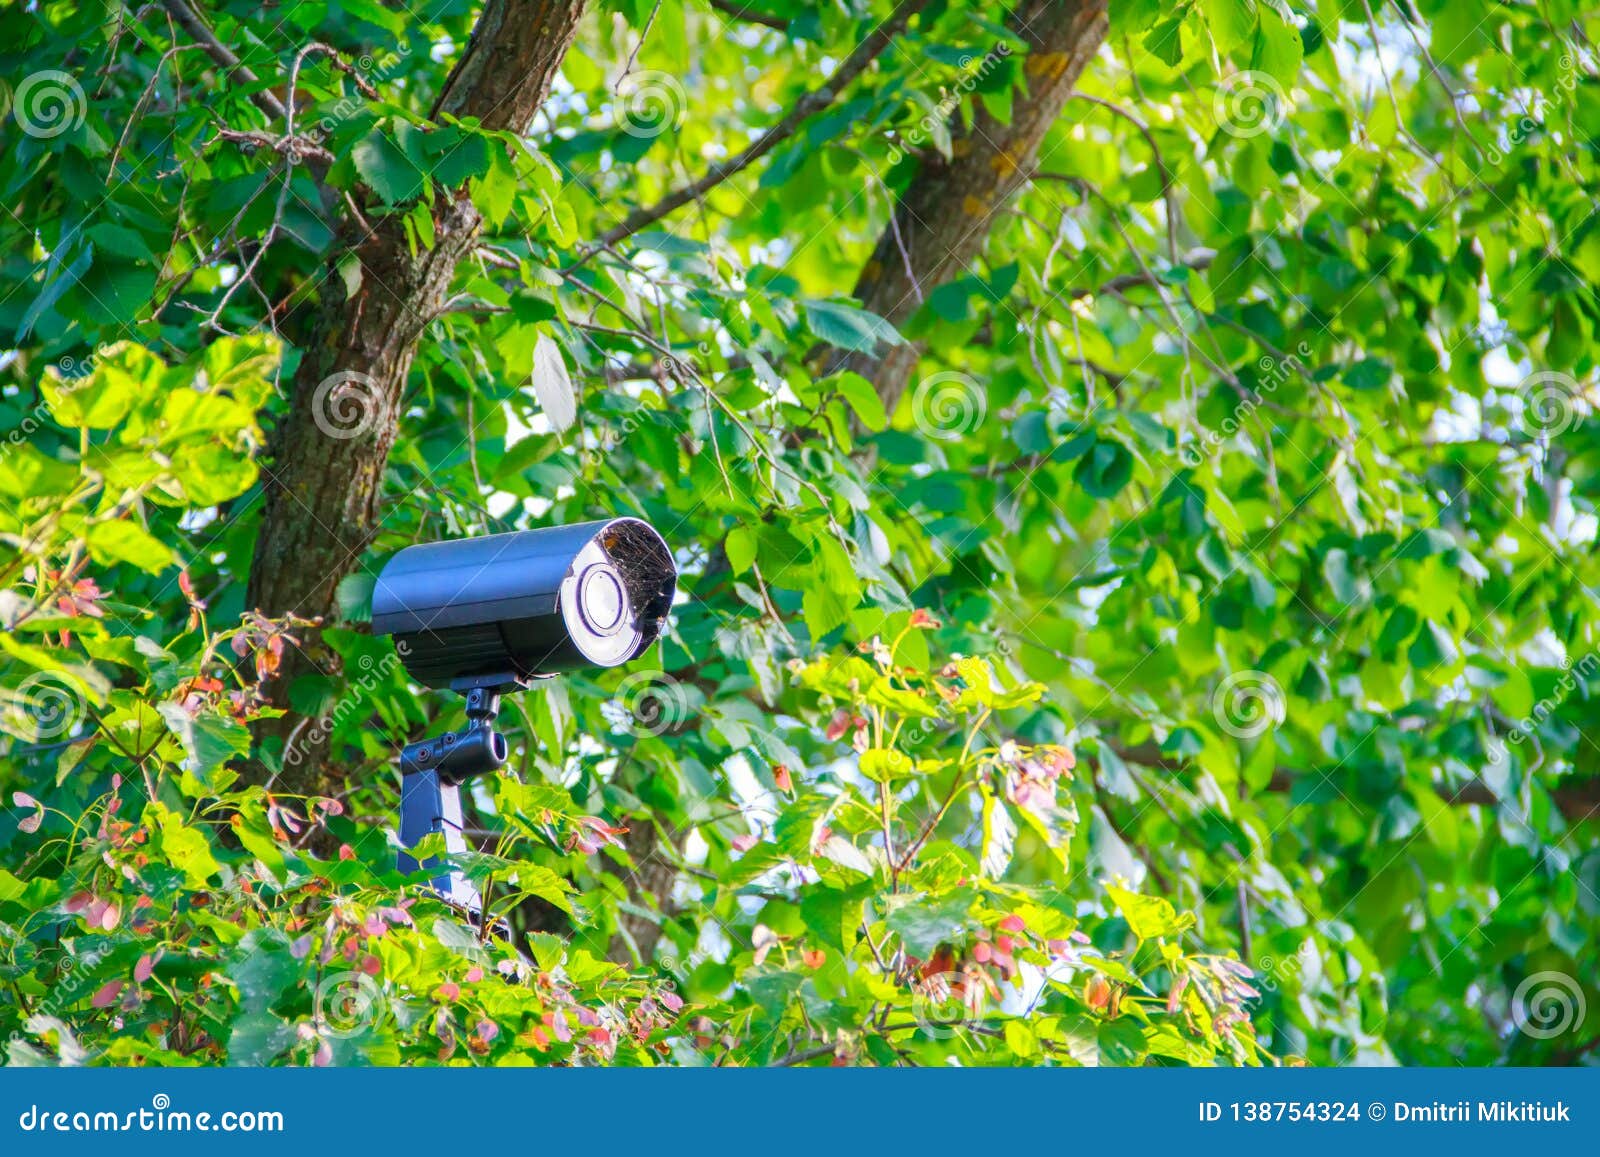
(258, 1039)
(885, 764)
(127, 541)
(1104, 470)
(1232, 22)
(849, 327)
(741, 548)
(862, 397)
(1368, 374)
(209, 740)
(1148, 917)
(386, 169)
(1278, 48)
(825, 610)
(262, 969)
(924, 923)
(184, 847)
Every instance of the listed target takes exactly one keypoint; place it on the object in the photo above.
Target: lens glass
(602, 599)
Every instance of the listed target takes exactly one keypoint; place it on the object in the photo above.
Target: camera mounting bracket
(431, 774)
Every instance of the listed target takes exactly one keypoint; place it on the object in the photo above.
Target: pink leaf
(107, 994)
(31, 823)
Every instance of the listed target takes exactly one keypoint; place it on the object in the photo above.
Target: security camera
(533, 602)
(485, 616)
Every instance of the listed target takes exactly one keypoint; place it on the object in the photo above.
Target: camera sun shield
(532, 602)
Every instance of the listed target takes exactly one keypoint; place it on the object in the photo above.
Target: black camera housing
(509, 607)
(484, 616)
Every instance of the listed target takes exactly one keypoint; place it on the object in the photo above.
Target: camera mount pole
(431, 772)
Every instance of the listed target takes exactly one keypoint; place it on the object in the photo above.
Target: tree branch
(812, 102)
(749, 15)
(942, 219)
(187, 19)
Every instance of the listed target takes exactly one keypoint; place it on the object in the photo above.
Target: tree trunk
(943, 217)
(324, 484)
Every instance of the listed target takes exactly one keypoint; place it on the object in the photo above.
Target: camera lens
(602, 599)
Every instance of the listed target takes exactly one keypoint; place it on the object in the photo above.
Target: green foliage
(1223, 581)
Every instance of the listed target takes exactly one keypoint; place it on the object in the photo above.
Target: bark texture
(324, 485)
(943, 217)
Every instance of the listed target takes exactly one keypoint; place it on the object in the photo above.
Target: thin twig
(812, 102)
